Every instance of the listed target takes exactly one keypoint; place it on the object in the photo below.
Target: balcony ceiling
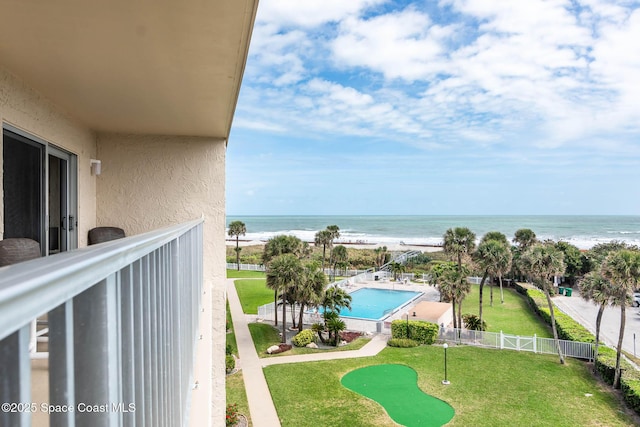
(152, 67)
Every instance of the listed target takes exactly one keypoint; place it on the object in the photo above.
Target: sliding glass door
(40, 192)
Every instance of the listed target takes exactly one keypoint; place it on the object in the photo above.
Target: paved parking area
(586, 312)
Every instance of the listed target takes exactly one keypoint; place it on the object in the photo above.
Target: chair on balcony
(13, 251)
(105, 234)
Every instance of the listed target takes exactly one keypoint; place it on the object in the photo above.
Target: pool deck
(429, 293)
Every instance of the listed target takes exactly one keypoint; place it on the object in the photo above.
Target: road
(585, 313)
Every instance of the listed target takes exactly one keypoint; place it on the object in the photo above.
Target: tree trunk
(501, 292)
(460, 325)
(300, 317)
(491, 293)
(623, 319)
(455, 320)
(293, 314)
(484, 277)
(324, 253)
(284, 317)
(238, 252)
(598, 323)
(275, 306)
(553, 325)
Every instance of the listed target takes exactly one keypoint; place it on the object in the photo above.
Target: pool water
(376, 304)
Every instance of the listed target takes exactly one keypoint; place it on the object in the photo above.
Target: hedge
(419, 330)
(569, 329)
(402, 342)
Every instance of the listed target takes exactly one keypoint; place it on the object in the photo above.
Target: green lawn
(253, 293)
(236, 393)
(512, 317)
(231, 336)
(242, 274)
(265, 335)
(488, 388)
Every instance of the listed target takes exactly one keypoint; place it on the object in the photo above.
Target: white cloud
(399, 45)
(310, 13)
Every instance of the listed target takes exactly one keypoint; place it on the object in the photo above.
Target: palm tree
(594, 287)
(237, 228)
(524, 238)
(493, 257)
(323, 238)
(335, 299)
(310, 289)
(543, 261)
(335, 325)
(495, 235)
(381, 256)
(334, 233)
(445, 276)
(339, 258)
(283, 273)
(458, 243)
(280, 245)
(622, 269)
(396, 268)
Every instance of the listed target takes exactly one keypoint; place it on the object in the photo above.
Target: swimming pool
(377, 304)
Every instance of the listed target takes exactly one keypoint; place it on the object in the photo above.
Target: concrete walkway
(263, 412)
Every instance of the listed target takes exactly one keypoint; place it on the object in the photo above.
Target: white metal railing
(535, 344)
(123, 321)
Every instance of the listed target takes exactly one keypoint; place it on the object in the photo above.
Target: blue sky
(439, 107)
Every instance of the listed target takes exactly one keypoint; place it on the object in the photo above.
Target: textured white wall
(149, 182)
(24, 108)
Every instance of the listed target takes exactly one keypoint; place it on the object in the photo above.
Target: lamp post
(408, 332)
(445, 381)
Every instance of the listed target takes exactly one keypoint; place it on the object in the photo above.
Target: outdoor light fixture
(96, 166)
(445, 381)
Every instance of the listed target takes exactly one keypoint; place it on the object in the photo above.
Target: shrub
(230, 362)
(402, 343)
(418, 330)
(304, 337)
(228, 349)
(472, 321)
(232, 415)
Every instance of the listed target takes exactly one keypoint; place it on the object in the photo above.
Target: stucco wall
(149, 182)
(25, 109)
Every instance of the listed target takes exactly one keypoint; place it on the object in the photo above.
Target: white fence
(535, 344)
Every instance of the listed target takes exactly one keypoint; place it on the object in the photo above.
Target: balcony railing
(123, 325)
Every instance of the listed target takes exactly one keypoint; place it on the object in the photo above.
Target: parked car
(636, 299)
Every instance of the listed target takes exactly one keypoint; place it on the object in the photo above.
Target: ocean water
(584, 231)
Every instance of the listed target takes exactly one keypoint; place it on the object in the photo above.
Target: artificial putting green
(395, 387)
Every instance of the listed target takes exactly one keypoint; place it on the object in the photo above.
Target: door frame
(72, 184)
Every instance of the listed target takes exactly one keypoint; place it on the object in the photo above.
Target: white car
(636, 299)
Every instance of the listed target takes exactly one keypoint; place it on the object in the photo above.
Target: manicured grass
(513, 317)
(488, 388)
(231, 336)
(253, 293)
(242, 274)
(236, 393)
(264, 336)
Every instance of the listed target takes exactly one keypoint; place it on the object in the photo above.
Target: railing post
(501, 340)
(96, 355)
(535, 343)
(15, 371)
(61, 365)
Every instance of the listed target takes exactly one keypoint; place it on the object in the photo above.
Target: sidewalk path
(263, 412)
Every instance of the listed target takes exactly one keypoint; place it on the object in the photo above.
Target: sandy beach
(390, 247)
